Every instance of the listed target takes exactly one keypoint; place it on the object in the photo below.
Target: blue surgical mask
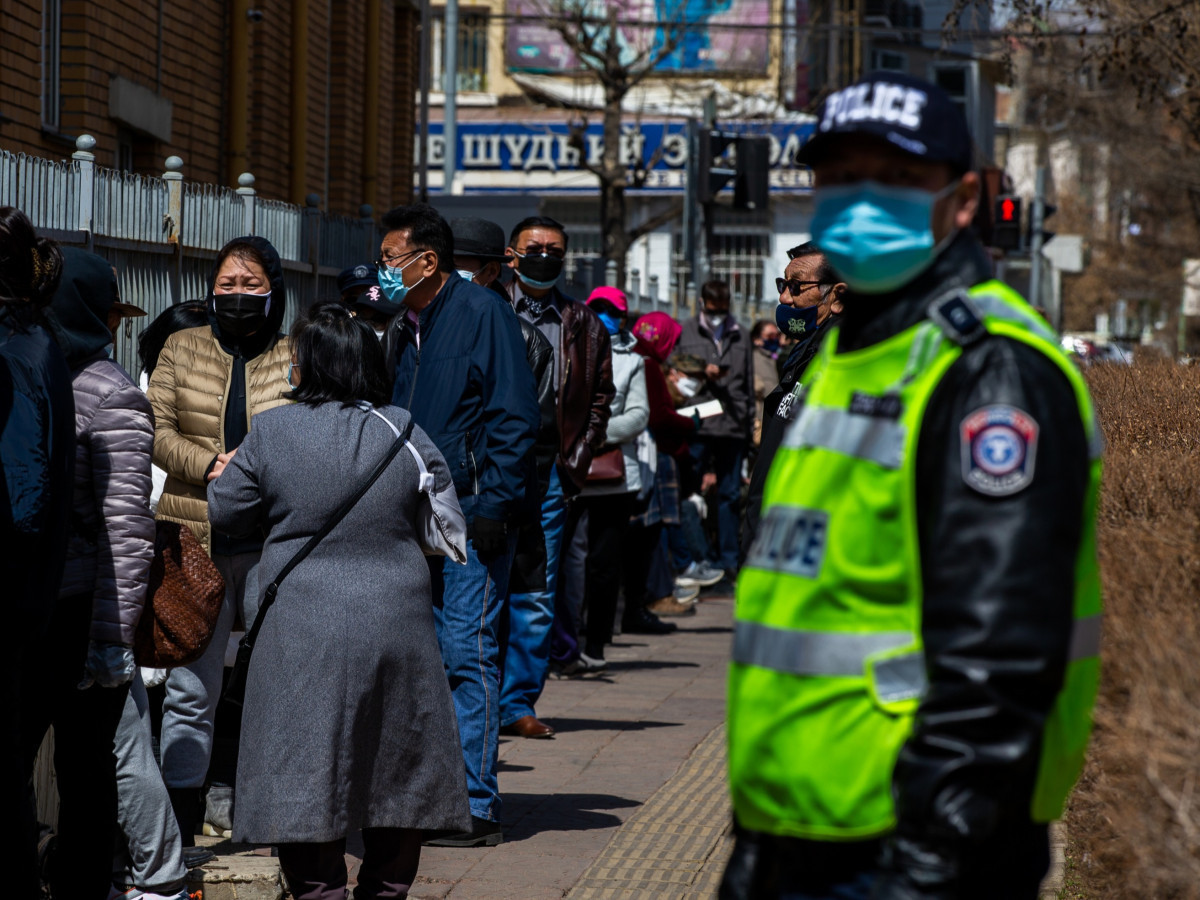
(392, 284)
(796, 322)
(289, 374)
(876, 236)
(466, 275)
(611, 323)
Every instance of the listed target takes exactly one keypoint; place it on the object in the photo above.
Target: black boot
(186, 804)
(641, 621)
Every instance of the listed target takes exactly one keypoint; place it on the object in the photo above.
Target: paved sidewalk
(621, 737)
(648, 729)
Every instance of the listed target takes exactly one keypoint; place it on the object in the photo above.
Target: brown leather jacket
(585, 392)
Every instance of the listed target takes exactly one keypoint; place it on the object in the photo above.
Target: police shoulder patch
(999, 449)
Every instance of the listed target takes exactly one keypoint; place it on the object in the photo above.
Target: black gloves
(490, 536)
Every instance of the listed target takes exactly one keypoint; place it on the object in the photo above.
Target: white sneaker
(687, 594)
(699, 575)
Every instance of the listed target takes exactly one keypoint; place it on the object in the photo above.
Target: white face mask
(688, 386)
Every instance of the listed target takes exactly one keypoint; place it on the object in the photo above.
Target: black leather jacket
(998, 584)
(774, 425)
(540, 356)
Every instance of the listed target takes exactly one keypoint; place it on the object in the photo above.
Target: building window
(472, 49)
(51, 63)
(889, 60)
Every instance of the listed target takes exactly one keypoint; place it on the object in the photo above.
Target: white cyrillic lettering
(787, 156)
(675, 150)
(595, 149)
(516, 144)
(481, 150)
(541, 153)
(568, 156)
(633, 144)
(437, 150)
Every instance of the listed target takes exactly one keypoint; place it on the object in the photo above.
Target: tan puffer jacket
(188, 392)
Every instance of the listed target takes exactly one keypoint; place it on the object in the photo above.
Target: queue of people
(492, 478)
(545, 450)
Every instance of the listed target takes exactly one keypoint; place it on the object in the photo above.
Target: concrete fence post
(245, 190)
(173, 225)
(84, 144)
(610, 273)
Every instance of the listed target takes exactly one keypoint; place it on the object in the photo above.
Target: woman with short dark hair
(348, 721)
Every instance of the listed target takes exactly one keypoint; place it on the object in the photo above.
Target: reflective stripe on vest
(839, 654)
(872, 438)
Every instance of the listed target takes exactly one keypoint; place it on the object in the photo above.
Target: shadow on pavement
(532, 814)
(707, 629)
(503, 766)
(564, 725)
(627, 665)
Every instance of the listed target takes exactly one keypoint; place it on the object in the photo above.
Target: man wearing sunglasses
(810, 305)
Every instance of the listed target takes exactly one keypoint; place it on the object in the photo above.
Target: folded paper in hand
(704, 410)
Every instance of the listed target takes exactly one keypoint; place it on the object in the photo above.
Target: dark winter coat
(111, 540)
(468, 385)
(735, 389)
(348, 721)
(37, 445)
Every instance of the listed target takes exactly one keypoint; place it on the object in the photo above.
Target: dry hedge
(1133, 822)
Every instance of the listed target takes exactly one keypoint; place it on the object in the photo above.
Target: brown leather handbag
(608, 467)
(182, 602)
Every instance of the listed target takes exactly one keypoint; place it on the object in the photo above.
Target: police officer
(917, 626)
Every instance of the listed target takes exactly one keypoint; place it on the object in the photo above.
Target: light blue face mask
(467, 274)
(392, 284)
(876, 236)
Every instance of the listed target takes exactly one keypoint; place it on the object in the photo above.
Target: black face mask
(240, 315)
(541, 270)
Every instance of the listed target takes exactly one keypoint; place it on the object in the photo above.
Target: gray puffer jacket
(111, 536)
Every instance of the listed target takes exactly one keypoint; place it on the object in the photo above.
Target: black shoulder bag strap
(235, 690)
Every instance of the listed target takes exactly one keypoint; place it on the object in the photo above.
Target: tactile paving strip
(676, 845)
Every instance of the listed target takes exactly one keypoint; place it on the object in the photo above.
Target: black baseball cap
(478, 238)
(912, 114)
(362, 275)
(374, 299)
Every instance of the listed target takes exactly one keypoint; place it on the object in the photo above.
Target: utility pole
(423, 146)
(1037, 220)
(450, 106)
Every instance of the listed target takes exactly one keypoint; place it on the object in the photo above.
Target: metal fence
(162, 234)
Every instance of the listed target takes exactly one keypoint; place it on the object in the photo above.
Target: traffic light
(713, 170)
(1048, 209)
(751, 185)
(1006, 222)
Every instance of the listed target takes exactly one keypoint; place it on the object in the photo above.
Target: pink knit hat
(613, 295)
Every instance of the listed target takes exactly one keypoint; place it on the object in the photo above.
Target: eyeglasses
(390, 261)
(794, 287)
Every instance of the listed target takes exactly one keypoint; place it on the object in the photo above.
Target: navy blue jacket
(37, 460)
(471, 390)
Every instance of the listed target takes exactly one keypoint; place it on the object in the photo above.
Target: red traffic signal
(1006, 222)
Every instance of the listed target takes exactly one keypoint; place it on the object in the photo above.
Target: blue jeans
(531, 617)
(468, 601)
(725, 456)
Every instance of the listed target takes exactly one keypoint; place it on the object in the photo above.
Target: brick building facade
(309, 96)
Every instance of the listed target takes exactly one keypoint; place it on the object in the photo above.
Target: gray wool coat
(348, 721)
